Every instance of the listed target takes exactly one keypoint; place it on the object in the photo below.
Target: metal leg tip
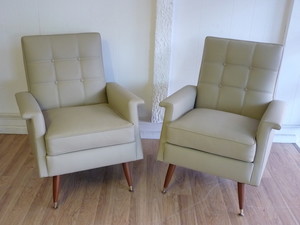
(164, 191)
(131, 188)
(241, 212)
(55, 205)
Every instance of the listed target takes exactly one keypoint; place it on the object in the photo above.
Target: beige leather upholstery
(238, 76)
(64, 70)
(76, 121)
(224, 125)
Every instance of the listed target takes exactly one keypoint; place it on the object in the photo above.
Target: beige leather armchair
(75, 120)
(224, 126)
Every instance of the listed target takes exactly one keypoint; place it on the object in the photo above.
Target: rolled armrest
(271, 119)
(123, 101)
(273, 116)
(30, 110)
(28, 106)
(179, 103)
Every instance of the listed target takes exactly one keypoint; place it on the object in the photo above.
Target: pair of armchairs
(76, 121)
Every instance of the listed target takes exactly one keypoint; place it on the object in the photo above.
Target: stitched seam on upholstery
(244, 93)
(211, 153)
(45, 82)
(81, 72)
(29, 83)
(219, 94)
(212, 136)
(87, 149)
(94, 132)
(39, 61)
(244, 98)
(62, 59)
(214, 153)
(261, 91)
(55, 73)
(232, 86)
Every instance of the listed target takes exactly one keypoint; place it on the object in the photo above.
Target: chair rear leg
(128, 175)
(241, 196)
(56, 187)
(168, 178)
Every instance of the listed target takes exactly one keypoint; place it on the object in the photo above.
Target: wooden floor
(101, 196)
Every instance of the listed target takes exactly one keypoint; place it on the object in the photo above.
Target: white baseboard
(288, 134)
(13, 124)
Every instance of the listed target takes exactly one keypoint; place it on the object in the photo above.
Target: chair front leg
(241, 196)
(56, 187)
(168, 178)
(128, 175)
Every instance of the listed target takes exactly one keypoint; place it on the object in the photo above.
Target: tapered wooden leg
(56, 186)
(128, 175)
(168, 178)
(241, 195)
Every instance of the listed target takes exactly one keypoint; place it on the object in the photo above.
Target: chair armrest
(272, 117)
(179, 103)
(123, 101)
(30, 110)
(175, 106)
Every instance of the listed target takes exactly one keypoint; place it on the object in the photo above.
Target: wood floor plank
(101, 196)
(139, 200)
(12, 160)
(88, 209)
(74, 190)
(105, 207)
(41, 204)
(15, 190)
(22, 205)
(284, 166)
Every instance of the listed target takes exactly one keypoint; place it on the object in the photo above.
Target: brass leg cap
(164, 191)
(55, 205)
(241, 212)
(131, 188)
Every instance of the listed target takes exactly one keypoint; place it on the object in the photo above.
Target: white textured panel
(162, 56)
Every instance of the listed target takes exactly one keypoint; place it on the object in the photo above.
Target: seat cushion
(72, 129)
(216, 132)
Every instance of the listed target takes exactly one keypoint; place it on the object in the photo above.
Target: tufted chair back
(238, 76)
(65, 70)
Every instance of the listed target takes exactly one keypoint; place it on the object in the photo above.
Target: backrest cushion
(64, 70)
(238, 76)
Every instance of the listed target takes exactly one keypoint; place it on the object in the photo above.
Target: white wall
(194, 20)
(125, 27)
(128, 29)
